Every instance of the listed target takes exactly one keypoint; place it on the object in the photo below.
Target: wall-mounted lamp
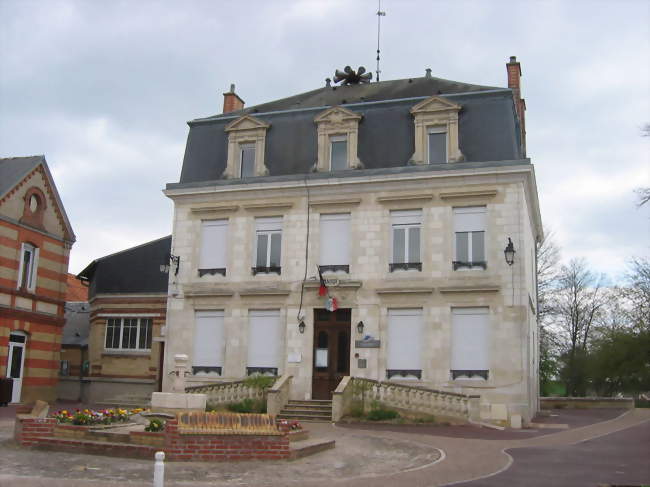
(301, 326)
(173, 259)
(360, 327)
(509, 252)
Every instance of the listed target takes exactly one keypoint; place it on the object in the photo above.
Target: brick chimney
(514, 83)
(231, 101)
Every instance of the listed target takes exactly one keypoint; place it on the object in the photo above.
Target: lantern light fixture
(301, 326)
(509, 252)
(360, 326)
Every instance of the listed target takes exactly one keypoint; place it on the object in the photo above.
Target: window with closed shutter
(264, 342)
(335, 242)
(404, 343)
(470, 343)
(209, 343)
(214, 247)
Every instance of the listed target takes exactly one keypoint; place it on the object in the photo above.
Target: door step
(308, 411)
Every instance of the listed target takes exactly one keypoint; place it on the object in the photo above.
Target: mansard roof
(488, 127)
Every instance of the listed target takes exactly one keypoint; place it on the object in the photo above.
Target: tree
(636, 293)
(643, 195)
(548, 258)
(577, 303)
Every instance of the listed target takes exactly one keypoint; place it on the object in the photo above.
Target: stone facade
(370, 290)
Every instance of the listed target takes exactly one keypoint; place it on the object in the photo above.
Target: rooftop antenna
(380, 14)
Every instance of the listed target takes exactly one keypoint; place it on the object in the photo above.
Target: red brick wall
(223, 447)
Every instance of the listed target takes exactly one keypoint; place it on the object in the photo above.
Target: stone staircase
(307, 411)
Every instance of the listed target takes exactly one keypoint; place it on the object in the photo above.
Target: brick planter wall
(28, 431)
(45, 433)
(223, 447)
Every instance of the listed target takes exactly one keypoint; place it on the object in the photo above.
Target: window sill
(407, 266)
(205, 371)
(126, 353)
(269, 371)
(212, 272)
(266, 270)
(474, 375)
(334, 269)
(399, 374)
(457, 265)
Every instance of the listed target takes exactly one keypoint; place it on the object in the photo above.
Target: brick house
(128, 301)
(35, 242)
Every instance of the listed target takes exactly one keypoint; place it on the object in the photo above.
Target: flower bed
(90, 417)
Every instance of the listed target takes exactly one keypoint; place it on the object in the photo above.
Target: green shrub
(641, 403)
(381, 414)
(356, 411)
(248, 406)
(154, 426)
(258, 381)
(428, 418)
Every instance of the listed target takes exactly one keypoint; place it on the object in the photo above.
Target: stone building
(128, 299)
(35, 242)
(404, 195)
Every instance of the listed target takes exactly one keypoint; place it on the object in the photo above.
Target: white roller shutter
(214, 240)
(268, 224)
(470, 219)
(264, 338)
(406, 217)
(404, 339)
(470, 339)
(335, 239)
(208, 339)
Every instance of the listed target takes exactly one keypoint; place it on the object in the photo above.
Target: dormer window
(338, 153)
(437, 145)
(436, 131)
(246, 141)
(338, 133)
(247, 160)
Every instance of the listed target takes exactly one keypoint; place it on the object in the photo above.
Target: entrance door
(331, 351)
(16, 362)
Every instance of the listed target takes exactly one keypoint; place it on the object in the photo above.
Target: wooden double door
(331, 351)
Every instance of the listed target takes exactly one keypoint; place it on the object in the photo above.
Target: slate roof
(488, 128)
(134, 270)
(14, 169)
(364, 93)
(77, 324)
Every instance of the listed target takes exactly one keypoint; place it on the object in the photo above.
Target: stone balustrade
(228, 392)
(278, 395)
(415, 399)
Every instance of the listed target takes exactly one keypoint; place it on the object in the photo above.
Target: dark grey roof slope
(363, 93)
(14, 169)
(134, 270)
(488, 131)
(77, 324)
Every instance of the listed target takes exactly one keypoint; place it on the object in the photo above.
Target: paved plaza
(600, 447)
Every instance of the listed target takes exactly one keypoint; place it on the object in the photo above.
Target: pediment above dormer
(246, 122)
(337, 115)
(435, 104)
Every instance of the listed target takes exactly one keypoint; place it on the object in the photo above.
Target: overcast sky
(104, 88)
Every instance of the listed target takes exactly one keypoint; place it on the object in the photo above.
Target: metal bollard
(159, 470)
